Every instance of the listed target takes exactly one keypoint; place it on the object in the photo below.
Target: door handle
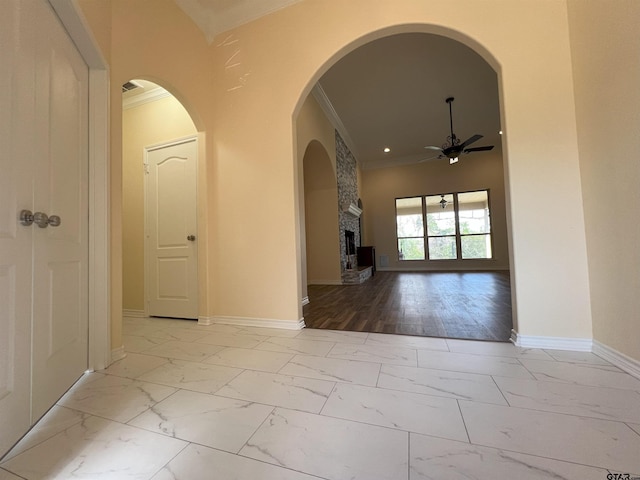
(39, 218)
(191, 238)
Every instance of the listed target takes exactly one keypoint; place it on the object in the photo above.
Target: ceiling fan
(453, 148)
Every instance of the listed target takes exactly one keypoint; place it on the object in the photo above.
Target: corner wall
(605, 52)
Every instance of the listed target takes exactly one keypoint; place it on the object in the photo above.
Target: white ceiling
(217, 16)
(390, 92)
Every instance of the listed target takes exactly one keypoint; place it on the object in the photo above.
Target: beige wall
(140, 40)
(248, 109)
(605, 50)
(142, 126)
(318, 208)
(380, 188)
(321, 218)
(542, 157)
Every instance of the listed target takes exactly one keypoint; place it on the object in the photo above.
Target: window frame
(424, 230)
(458, 235)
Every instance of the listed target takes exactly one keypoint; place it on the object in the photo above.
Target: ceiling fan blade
(431, 147)
(478, 149)
(430, 158)
(470, 140)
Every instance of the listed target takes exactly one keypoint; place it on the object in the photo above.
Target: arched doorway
(322, 258)
(159, 141)
(390, 92)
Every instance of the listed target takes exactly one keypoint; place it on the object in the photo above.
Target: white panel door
(171, 227)
(43, 167)
(60, 318)
(16, 155)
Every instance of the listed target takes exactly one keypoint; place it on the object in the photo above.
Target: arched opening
(159, 160)
(322, 259)
(390, 91)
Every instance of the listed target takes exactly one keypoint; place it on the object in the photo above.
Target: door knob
(26, 217)
(191, 238)
(39, 218)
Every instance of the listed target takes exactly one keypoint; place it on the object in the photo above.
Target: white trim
(99, 341)
(254, 322)
(305, 300)
(133, 313)
(172, 143)
(205, 321)
(70, 14)
(327, 107)
(118, 354)
(552, 343)
(620, 360)
(451, 268)
(195, 139)
(144, 98)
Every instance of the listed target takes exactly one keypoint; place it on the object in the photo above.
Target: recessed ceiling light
(387, 149)
(500, 132)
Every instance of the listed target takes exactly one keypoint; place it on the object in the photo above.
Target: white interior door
(60, 317)
(16, 155)
(171, 227)
(43, 161)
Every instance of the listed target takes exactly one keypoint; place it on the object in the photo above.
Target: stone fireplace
(350, 250)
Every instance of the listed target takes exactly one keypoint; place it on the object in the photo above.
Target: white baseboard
(305, 301)
(449, 269)
(552, 343)
(620, 360)
(118, 354)
(205, 320)
(133, 313)
(253, 322)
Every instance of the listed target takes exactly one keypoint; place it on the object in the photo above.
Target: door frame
(99, 340)
(147, 149)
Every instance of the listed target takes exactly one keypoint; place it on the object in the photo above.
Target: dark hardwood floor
(469, 305)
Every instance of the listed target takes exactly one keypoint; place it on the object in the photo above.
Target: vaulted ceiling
(390, 92)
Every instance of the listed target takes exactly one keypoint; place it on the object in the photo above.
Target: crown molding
(146, 97)
(327, 107)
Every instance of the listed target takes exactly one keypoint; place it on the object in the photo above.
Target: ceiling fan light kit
(453, 148)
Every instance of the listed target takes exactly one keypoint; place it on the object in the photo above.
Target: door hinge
(146, 168)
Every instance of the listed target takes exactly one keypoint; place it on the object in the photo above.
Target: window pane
(474, 213)
(410, 226)
(442, 248)
(409, 217)
(440, 221)
(411, 248)
(476, 246)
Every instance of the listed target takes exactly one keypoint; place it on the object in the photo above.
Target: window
(457, 226)
(475, 227)
(410, 228)
(441, 227)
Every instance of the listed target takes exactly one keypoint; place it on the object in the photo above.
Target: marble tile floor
(194, 402)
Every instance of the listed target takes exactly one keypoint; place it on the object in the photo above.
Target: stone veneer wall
(347, 193)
